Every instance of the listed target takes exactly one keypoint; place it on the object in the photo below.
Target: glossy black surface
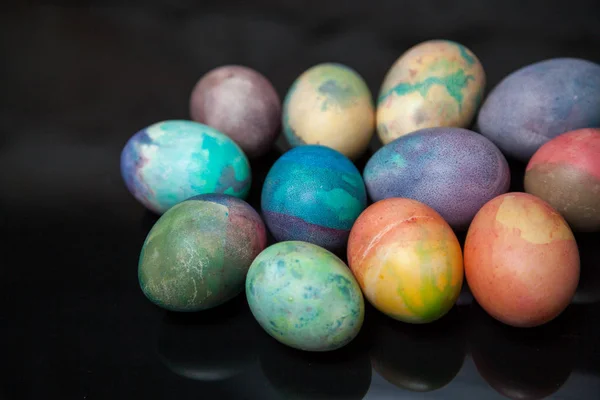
(76, 82)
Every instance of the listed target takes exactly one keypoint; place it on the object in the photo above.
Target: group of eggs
(432, 177)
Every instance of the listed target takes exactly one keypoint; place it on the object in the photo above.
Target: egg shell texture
(565, 172)
(453, 170)
(521, 260)
(330, 104)
(171, 161)
(435, 83)
(406, 259)
(313, 194)
(241, 103)
(197, 254)
(304, 296)
(539, 102)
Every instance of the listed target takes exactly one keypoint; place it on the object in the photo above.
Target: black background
(76, 81)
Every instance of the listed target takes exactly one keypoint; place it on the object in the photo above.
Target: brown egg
(241, 103)
(521, 260)
(565, 172)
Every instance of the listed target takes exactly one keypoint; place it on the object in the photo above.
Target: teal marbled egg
(171, 161)
(304, 296)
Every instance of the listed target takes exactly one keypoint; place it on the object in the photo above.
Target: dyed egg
(521, 260)
(197, 254)
(406, 259)
(241, 103)
(330, 104)
(453, 170)
(539, 102)
(565, 172)
(313, 194)
(435, 83)
(304, 296)
(171, 161)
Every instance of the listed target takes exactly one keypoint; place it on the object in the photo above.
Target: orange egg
(521, 260)
(406, 259)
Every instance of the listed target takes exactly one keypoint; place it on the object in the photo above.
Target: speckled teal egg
(304, 296)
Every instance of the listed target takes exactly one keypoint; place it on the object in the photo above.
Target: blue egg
(171, 161)
(313, 194)
(539, 102)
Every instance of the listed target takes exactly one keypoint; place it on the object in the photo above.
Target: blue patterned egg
(313, 194)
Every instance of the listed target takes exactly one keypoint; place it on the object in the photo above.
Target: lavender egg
(539, 102)
(241, 103)
(453, 170)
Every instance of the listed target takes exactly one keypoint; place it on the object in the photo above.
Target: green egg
(304, 296)
(197, 254)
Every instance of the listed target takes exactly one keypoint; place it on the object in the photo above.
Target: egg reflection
(297, 375)
(420, 358)
(521, 363)
(212, 345)
(588, 291)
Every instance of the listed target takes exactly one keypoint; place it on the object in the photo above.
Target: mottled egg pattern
(406, 259)
(197, 254)
(241, 103)
(521, 260)
(330, 104)
(313, 194)
(565, 172)
(453, 170)
(304, 296)
(171, 161)
(435, 83)
(539, 102)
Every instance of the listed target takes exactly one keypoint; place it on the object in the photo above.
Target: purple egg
(241, 103)
(453, 170)
(539, 102)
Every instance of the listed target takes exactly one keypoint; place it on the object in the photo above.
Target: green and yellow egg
(437, 83)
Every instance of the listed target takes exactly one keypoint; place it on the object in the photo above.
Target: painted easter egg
(406, 259)
(435, 83)
(197, 254)
(241, 103)
(539, 102)
(565, 172)
(304, 296)
(521, 260)
(313, 194)
(330, 104)
(453, 170)
(171, 161)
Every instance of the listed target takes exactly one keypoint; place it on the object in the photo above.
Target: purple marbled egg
(241, 103)
(453, 170)
(539, 102)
